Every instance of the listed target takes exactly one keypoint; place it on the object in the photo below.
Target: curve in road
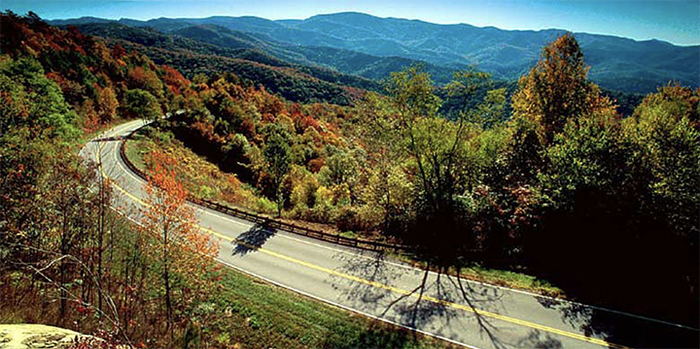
(463, 312)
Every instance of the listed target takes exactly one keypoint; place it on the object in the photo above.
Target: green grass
(133, 150)
(511, 279)
(259, 315)
(349, 234)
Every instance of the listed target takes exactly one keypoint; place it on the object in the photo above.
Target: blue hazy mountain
(370, 46)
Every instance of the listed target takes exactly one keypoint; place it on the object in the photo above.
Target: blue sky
(676, 21)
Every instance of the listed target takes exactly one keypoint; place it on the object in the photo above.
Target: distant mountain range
(372, 47)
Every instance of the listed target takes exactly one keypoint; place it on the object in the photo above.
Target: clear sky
(676, 21)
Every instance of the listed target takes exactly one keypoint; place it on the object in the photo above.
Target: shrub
(347, 219)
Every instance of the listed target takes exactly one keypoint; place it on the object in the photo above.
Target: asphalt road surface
(464, 312)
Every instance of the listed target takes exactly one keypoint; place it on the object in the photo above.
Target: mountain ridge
(617, 63)
(92, 19)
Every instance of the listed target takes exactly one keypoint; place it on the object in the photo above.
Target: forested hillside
(245, 59)
(298, 73)
(67, 258)
(379, 44)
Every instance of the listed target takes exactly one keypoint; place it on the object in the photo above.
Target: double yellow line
(387, 287)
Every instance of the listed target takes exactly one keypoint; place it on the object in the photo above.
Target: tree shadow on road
(252, 239)
(622, 329)
(538, 340)
(370, 266)
(436, 301)
(107, 139)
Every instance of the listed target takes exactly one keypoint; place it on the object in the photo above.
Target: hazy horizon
(332, 13)
(677, 22)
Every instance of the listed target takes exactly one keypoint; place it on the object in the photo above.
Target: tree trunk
(100, 236)
(166, 281)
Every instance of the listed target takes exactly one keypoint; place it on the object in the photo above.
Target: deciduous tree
(277, 154)
(438, 153)
(141, 104)
(557, 89)
(107, 104)
(183, 252)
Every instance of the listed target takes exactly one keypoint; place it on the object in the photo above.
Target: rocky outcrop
(26, 336)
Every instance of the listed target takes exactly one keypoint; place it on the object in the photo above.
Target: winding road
(464, 312)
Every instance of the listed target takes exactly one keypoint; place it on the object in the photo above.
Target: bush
(347, 219)
(141, 104)
(322, 213)
(264, 205)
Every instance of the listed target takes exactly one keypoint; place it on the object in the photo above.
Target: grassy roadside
(135, 150)
(260, 315)
(199, 176)
(498, 277)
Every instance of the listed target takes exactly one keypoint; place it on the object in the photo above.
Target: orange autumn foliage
(174, 80)
(177, 242)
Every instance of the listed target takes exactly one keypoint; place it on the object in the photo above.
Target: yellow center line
(391, 288)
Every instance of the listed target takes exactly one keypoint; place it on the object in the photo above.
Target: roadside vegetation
(68, 259)
(552, 182)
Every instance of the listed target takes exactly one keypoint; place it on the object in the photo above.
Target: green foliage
(464, 93)
(141, 104)
(278, 156)
(412, 94)
(587, 154)
(33, 100)
(439, 156)
(491, 111)
(665, 132)
(342, 168)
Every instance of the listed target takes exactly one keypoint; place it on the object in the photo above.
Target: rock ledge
(30, 336)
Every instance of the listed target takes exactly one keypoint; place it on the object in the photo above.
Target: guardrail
(271, 222)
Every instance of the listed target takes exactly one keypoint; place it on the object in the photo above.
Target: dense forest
(292, 81)
(548, 177)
